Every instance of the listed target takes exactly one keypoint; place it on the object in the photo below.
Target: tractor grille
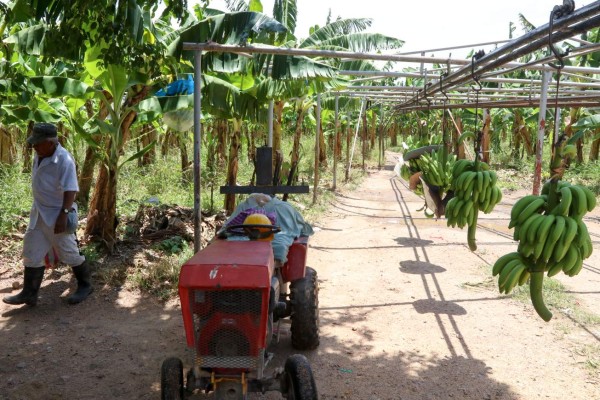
(227, 325)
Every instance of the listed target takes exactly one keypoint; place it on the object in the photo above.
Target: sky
(428, 24)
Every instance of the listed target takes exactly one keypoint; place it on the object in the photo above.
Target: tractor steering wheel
(253, 231)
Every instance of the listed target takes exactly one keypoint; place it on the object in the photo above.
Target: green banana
(586, 249)
(560, 250)
(502, 278)
(546, 187)
(524, 277)
(459, 204)
(513, 278)
(542, 234)
(502, 261)
(554, 270)
(458, 182)
(582, 232)
(494, 177)
(470, 177)
(526, 225)
(480, 179)
(464, 216)
(570, 230)
(590, 198)
(554, 235)
(519, 206)
(487, 179)
(578, 266)
(526, 249)
(467, 207)
(536, 284)
(477, 195)
(579, 205)
(495, 198)
(468, 192)
(461, 166)
(449, 212)
(568, 262)
(517, 233)
(566, 198)
(533, 229)
(532, 208)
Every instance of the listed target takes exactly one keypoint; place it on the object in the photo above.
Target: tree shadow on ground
(109, 346)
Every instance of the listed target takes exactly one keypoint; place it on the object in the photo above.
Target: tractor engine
(225, 293)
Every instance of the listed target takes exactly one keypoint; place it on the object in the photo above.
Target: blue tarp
(290, 221)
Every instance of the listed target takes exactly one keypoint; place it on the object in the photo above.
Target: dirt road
(407, 312)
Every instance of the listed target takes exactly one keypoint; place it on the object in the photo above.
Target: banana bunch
(435, 170)
(513, 269)
(405, 171)
(474, 186)
(555, 239)
(552, 238)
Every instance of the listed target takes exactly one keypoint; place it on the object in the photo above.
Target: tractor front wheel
(171, 379)
(299, 383)
(304, 299)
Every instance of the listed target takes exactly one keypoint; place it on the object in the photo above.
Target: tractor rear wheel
(304, 299)
(299, 382)
(171, 379)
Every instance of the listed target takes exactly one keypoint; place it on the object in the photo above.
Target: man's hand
(61, 223)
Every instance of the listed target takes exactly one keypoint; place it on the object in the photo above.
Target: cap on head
(42, 131)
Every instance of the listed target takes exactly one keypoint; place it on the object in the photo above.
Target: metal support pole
(317, 137)
(336, 145)
(537, 176)
(271, 104)
(381, 136)
(197, 143)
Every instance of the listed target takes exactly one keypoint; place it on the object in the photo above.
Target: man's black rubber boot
(84, 285)
(31, 285)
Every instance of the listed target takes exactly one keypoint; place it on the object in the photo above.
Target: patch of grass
(114, 275)
(161, 278)
(587, 174)
(15, 198)
(556, 298)
(591, 353)
(173, 245)
(91, 252)
(159, 182)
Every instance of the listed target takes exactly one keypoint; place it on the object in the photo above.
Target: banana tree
(348, 35)
(85, 33)
(591, 124)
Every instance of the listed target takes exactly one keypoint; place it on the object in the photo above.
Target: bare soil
(406, 312)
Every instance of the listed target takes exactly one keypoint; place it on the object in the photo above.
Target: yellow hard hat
(260, 219)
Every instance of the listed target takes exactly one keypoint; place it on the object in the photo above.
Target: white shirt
(50, 179)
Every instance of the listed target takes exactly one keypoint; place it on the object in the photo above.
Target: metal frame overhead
(453, 77)
(449, 85)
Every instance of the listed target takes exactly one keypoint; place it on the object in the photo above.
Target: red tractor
(232, 298)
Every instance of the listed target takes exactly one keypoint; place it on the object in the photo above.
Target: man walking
(54, 186)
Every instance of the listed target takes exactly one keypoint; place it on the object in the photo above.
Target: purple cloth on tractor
(241, 217)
